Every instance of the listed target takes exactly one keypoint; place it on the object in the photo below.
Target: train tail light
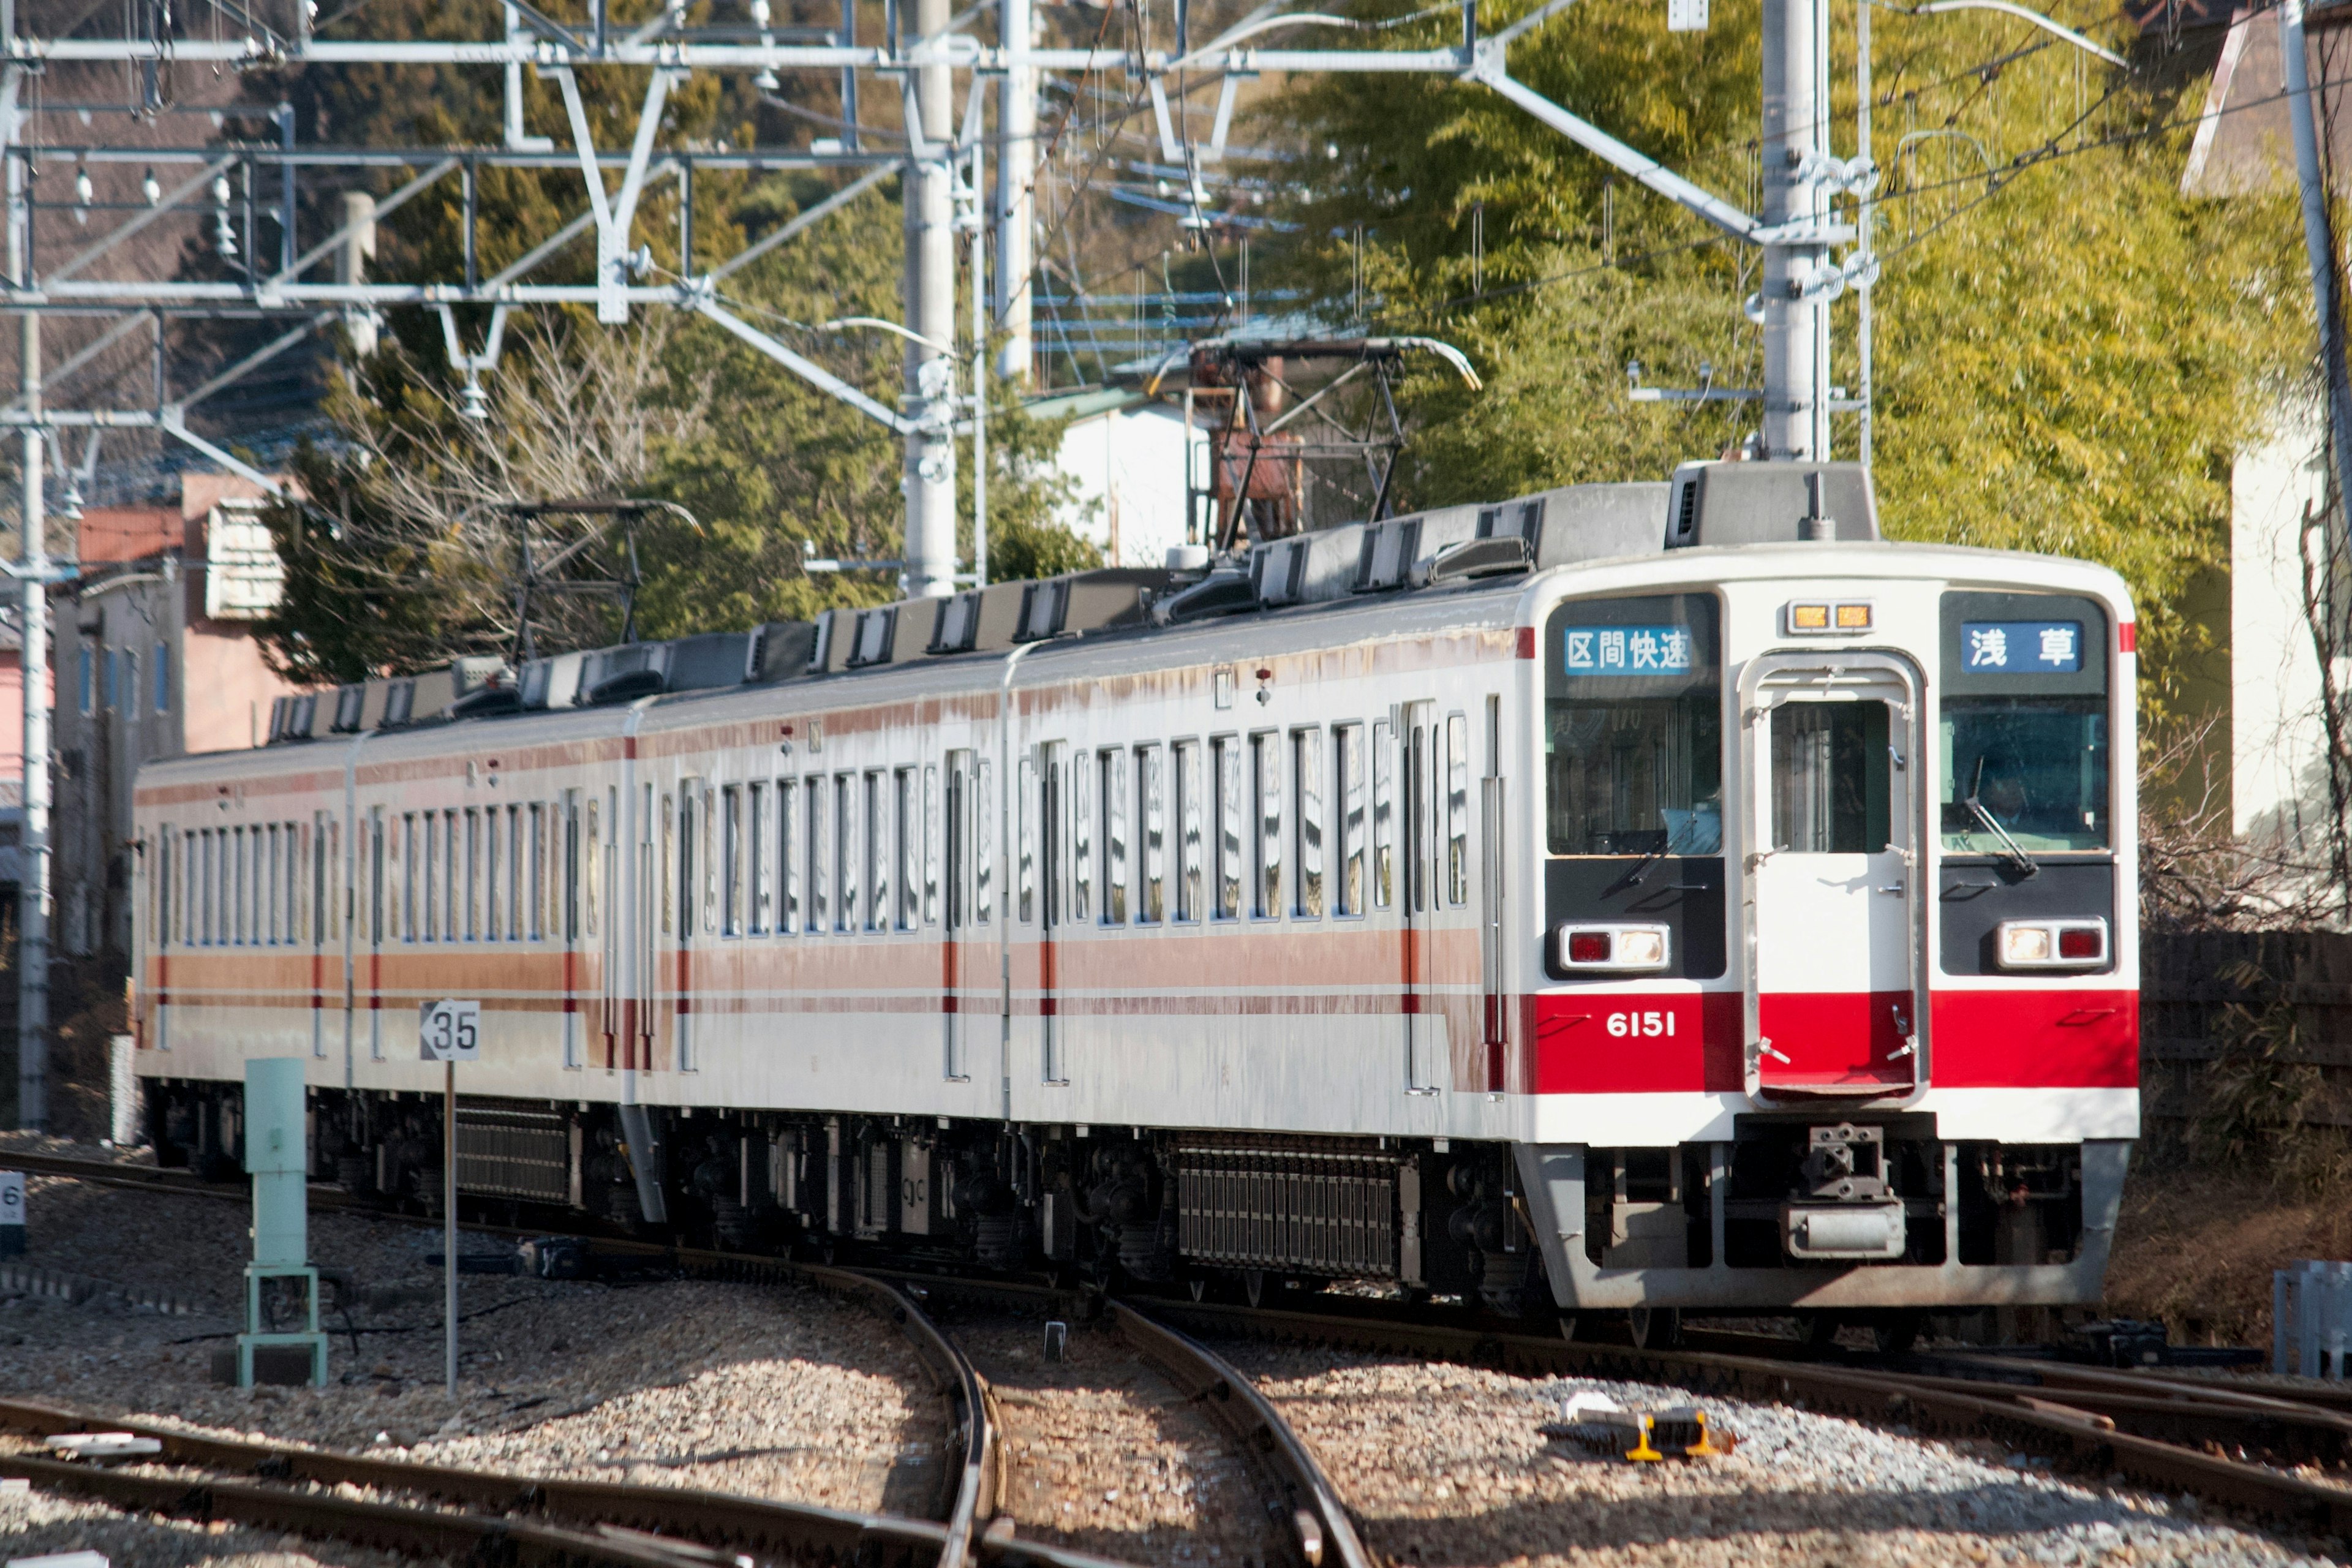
(2050, 945)
(1613, 947)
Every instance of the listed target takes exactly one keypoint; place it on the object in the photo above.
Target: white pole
(33, 897)
(1796, 411)
(1862, 220)
(979, 389)
(449, 1219)
(930, 480)
(1016, 200)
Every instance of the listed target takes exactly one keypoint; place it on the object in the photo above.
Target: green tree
(2069, 351)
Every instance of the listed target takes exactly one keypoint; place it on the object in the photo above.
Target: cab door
(1835, 1000)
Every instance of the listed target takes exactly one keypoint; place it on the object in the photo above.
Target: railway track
(531, 1519)
(2178, 1436)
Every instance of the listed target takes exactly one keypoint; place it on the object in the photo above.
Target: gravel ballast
(37, 1524)
(769, 1391)
(1106, 1456)
(1445, 1464)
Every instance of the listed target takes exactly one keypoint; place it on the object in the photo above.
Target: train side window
(1306, 785)
(239, 924)
(321, 908)
(1226, 757)
(931, 844)
(1347, 820)
(788, 863)
(818, 887)
(517, 876)
(908, 825)
(473, 873)
(270, 883)
(1266, 834)
(493, 900)
(375, 875)
(1186, 757)
(706, 840)
(432, 932)
(1151, 835)
(408, 877)
(759, 893)
(1112, 770)
(570, 911)
(200, 883)
(730, 859)
(1025, 867)
(542, 895)
(161, 904)
(878, 823)
(844, 852)
(592, 877)
(1457, 810)
(1082, 836)
(984, 841)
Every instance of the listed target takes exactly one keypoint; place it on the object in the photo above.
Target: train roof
(1451, 571)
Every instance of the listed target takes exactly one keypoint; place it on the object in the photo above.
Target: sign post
(11, 1212)
(449, 1031)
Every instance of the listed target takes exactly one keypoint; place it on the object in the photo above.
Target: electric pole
(931, 304)
(31, 585)
(1798, 271)
(1016, 198)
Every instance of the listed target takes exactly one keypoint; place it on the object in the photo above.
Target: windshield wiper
(1632, 878)
(2026, 865)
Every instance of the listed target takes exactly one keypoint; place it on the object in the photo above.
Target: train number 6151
(1639, 1025)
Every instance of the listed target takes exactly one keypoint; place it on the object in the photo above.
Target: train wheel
(1655, 1328)
(1253, 1286)
(1820, 1330)
(1568, 1327)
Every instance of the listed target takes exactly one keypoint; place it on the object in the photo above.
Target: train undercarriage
(1788, 1211)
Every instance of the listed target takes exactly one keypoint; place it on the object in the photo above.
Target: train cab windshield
(1634, 728)
(2023, 725)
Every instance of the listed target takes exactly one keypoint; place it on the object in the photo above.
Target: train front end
(1836, 1007)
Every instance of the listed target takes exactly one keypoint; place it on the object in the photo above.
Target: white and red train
(1627, 898)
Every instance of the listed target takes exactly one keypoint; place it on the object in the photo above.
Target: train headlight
(1614, 947)
(2050, 945)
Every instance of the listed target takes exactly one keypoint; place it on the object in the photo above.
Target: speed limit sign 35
(450, 1031)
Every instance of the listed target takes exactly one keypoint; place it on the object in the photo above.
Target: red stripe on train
(1593, 1042)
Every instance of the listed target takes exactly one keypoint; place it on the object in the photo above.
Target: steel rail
(1326, 1535)
(967, 1506)
(713, 1519)
(2074, 1412)
(2012, 1414)
(416, 1531)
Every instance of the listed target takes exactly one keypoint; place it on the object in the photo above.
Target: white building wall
(1131, 465)
(2278, 746)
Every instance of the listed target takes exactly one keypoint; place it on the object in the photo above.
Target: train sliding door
(1834, 991)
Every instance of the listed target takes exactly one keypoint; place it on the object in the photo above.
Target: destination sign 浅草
(2021, 647)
